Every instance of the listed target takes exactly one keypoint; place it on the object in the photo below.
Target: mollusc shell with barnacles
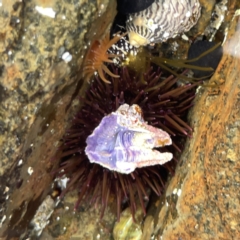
(162, 20)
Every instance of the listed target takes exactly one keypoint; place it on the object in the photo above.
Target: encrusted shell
(164, 19)
(123, 141)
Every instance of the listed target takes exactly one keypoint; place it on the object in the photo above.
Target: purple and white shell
(162, 20)
(123, 141)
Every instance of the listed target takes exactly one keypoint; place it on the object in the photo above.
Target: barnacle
(98, 55)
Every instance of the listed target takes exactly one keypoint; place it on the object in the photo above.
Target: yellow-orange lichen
(98, 55)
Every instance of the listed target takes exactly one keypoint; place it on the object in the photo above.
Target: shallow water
(42, 45)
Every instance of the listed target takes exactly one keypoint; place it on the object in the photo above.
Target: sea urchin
(164, 105)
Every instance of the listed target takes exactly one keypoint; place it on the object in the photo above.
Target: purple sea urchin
(163, 104)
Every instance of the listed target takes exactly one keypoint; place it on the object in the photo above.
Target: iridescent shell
(164, 19)
(98, 55)
(123, 141)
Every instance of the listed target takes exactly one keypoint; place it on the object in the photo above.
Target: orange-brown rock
(203, 198)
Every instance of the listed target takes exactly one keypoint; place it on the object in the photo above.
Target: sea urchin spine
(164, 105)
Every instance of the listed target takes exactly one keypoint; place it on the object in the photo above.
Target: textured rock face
(42, 44)
(202, 199)
(36, 102)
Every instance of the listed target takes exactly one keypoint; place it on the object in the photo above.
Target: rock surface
(202, 200)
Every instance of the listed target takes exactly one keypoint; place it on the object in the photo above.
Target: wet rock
(202, 199)
(38, 84)
(127, 228)
(83, 224)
